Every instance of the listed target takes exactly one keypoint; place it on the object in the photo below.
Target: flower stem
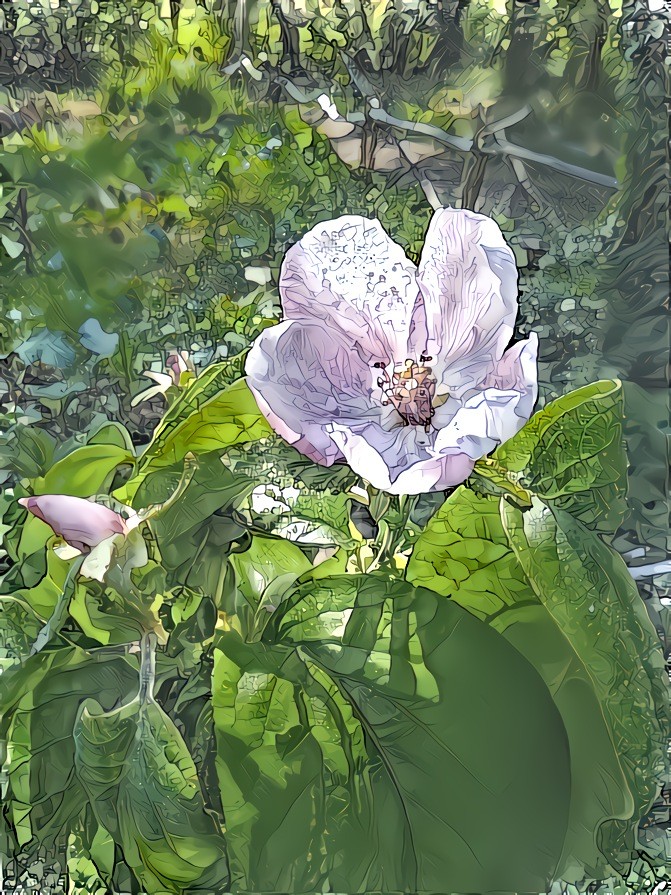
(147, 667)
(188, 472)
(392, 530)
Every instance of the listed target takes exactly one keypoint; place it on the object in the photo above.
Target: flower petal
(402, 461)
(348, 273)
(304, 377)
(468, 279)
(499, 411)
(76, 520)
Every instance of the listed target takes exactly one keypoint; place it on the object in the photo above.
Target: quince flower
(82, 523)
(401, 371)
(90, 529)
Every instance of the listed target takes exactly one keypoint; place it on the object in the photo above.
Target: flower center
(411, 389)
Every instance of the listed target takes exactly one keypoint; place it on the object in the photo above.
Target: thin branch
(505, 147)
(488, 142)
(462, 144)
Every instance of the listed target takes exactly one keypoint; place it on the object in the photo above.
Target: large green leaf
(143, 787)
(270, 773)
(84, 472)
(228, 418)
(572, 454)
(386, 741)
(39, 703)
(307, 809)
(205, 387)
(466, 553)
(586, 588)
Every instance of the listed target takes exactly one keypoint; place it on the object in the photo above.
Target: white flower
(400, 370)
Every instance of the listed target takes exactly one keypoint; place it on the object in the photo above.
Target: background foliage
(157, 161)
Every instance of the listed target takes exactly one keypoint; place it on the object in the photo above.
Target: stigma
(410, 389)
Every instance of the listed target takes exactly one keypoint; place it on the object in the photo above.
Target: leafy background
(157, 161)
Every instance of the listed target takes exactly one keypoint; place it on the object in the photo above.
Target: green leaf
(270, 773)
(39, 701)
(572, 454)
(264, 573)
(378, 763)
(19, 627)
(90, 857)
(84, 472)
(466, 553)
(228, 418)
(472, 747)
(144, 789)
(297, 785)
(208, 385)
(586, 588)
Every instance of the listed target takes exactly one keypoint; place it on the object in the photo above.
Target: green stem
(390, 537)
(58, 616)
(384, 543)
(147, 668)
(188, 472)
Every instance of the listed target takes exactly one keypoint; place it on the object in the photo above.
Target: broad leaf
(144, 789)
(84, 472)
(586, 588)
(572, 454)
(208, 385)
(39, 704)
(229, 418)
(467, 733)
(263, 575)
(270, 774)
(306, 808)
(466, 553)
(443, 738)
(90, 857)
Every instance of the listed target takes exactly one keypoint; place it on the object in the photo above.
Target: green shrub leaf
(572, 454)
(143, 787)
(463, 752)
(214, 423)
(474, 551)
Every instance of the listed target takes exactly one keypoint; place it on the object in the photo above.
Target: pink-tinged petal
(401, 461)
(468, 279)
(499, 411)
(349, 275)
(518, 370)
(306, 376)
(82, 523)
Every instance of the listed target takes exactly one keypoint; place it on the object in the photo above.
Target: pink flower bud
(177, 364)
(82, 523)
